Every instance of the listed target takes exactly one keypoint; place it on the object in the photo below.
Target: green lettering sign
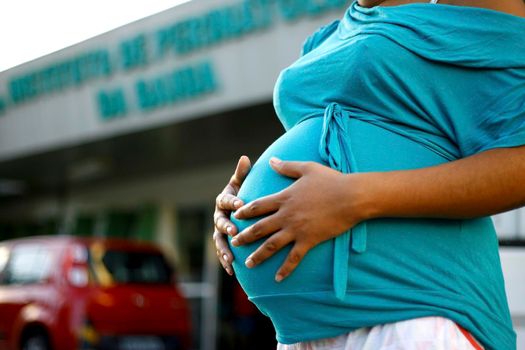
(180, 85)
(112, 104)
(134, 52)
(59, 76)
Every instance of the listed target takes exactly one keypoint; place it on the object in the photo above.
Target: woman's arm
(483, 184)
(323, 203)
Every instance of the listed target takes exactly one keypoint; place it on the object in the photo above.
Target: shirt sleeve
(318, 37)
(501, 125)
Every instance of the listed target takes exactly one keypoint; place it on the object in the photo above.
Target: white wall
(513, 263)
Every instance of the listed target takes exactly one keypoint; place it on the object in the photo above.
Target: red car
(66, 293)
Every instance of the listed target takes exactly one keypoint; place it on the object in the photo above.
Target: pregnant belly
(374, 148)
(300, 143)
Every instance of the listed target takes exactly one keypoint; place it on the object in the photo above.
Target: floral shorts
(426, 333)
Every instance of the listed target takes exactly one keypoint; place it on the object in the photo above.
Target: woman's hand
(321, 204)
(226, 202)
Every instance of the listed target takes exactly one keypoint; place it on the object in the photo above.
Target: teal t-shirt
(390, 88)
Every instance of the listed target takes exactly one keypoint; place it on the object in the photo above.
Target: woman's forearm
(484, 184)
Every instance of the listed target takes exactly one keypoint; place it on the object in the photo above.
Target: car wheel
(36, 342)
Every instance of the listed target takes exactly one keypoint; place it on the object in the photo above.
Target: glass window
(28, 264)
(121, 223)
(137, 267)
(146, 223)
(84, 226)
(138, 223)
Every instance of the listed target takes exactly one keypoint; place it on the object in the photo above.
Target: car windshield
(137, 267)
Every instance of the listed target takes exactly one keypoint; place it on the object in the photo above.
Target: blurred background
(131, 134)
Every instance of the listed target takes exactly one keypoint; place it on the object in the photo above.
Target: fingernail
(249, 263)
(279, 278)
(229, 229)
(235, 241)
(275, 160)
(225, 257)
(230, 272)
(236, 203)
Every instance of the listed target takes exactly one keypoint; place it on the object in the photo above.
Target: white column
(165, 231)
(210, 302)
(69, 216)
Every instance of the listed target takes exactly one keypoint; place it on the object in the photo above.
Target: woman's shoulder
(318, 36)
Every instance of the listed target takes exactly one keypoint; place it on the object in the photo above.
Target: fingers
(293, 259)
(260, 229)
(243, 168)
(272, 245)
(224, 204)
(223, 252)
(290, 169)
(227, 201)
(223, 223)
(261, 206)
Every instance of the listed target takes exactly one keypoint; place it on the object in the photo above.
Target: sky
(33, 28)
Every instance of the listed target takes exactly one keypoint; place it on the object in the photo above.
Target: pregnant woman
(366, 225)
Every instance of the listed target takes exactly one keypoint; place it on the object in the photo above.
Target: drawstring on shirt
(335, 149)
